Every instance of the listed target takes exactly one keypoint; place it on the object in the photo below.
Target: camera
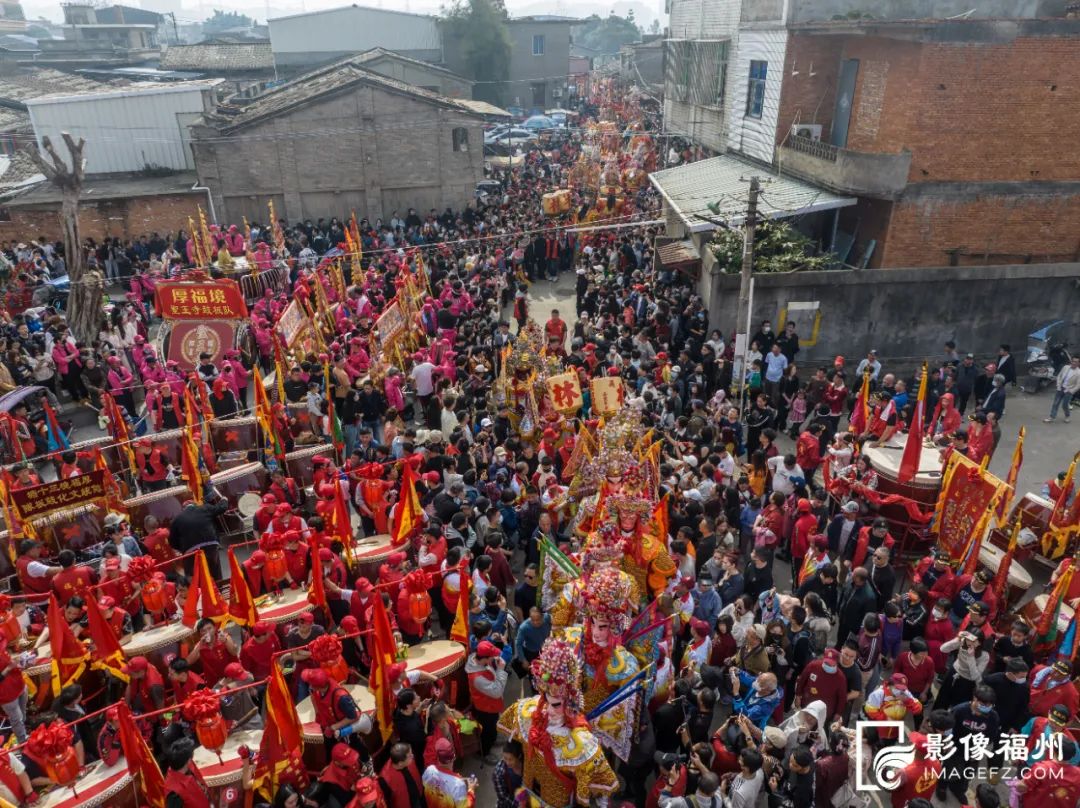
(668, 760)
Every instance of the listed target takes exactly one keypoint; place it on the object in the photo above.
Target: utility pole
(742, 328)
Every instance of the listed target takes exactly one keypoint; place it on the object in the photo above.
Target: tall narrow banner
(608, 395)
(968, 493)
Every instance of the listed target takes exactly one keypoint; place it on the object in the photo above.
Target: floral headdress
(557, 673)
(608, 598)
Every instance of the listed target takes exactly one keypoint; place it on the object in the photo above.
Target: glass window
(755, 91)
(538, 44)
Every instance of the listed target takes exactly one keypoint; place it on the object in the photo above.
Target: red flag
(860, 416)
(189, 466)
(140, 761)
(384, 652)
(460, 630)
(343, 524)
(241, 603)
(1014, 472)
(661, 517)
(281, 751)
(107, 654)
(1001, 578)
(203, 594)
(408, 515)
(909, 463)
(68, 654)
(316, 589)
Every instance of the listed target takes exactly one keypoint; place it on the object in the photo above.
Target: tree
(608, 35)
(477, 28)
(84, 300)
(223, 20)
(654, 27)
(778, 247)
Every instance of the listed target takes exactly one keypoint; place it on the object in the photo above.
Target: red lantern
(419, 606)
(212, 732)
(154, 597)
(276, 566)
(63, 769)
(336, 669)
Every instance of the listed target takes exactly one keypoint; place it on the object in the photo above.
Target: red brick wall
(867, 221)
(805, 98)
(922, 231)
(126, 218)
(887, 91)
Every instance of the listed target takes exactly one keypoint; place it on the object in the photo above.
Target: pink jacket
(65, 354)
(240, 373)
(120, 379)
(392, 389)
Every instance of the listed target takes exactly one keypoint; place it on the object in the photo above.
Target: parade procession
(364, 521)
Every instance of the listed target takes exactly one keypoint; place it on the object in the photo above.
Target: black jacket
(756, 581)
(196, 525)
(1013, 698)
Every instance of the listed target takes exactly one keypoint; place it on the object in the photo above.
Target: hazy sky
(195, 10)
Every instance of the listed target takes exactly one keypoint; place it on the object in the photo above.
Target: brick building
(954, 134)
(336, 140)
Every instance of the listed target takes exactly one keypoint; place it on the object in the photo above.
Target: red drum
(1034, 513)
(76, 528)
(298, 463)
(222, 772)
(923, 488)
(98, 785)
(233, 435)
(299, 416)
(1033, 610)
(445, 660)
(371, 551)
(169, 443)
(235, 482)
(159, 644)
(164, 505)
(284, 609)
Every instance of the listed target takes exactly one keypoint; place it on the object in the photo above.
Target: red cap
(687, 580)
(485, 650)
(364, 586)
(316, 677)
(349, 625)
(444, 750)
(395, 558)
(262, 628)
(396, 671)
(367, 792)
(112, 563)
(898, 680)
(106, 602)
(803, 506)
(326, 554)
(234, 670)
(258, 558)
(284, 509)
(430, 477)
(306, 617)
(699, 626)
(831, 655)
(137, 665)
(269, 499)
(291, 536)
(112, 714)
(345, 755)
(326, 490)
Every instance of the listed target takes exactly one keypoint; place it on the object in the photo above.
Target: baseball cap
(831, 655)
(444, 750)
(851, 507)
(316, 677)
(978, 607)
(1059, 714)
(234, 670)
(485, 650)
(345, 755)
(137, 664)
(261, 628)
(1063, 667)
(775, 737)
(258, 558)
(306, 617)
(486, 422)
(898, 680)
(365, 586)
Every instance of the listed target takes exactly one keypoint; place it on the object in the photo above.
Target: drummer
(184, 785)
(297, 557)
(214, 650)
(239, 707)
(333, 567)
(337, 781)
(118, 619)
(183, 679)
(255, 574)
(109, 748)
(35, 576)
(284, 489)
(146, 689)
(285, 520)
(152, 464)
(156, 542)
(260, 521)
(73, 579)
(336, 713)
(296, 641)
(391, 573)
(259, 649)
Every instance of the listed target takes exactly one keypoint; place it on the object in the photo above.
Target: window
(538, 44)
(755, 91)
(460, 136)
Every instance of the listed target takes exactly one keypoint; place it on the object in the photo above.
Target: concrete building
(336, 140)
(843, 95)
(642, 64)
(12, 18)
(136, 128)
(303, 41)
(418, 73)
(108, 40)
(539, 63)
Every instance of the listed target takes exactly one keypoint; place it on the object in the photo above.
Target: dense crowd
(785, 615)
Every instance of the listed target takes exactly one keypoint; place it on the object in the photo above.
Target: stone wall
(907, 313)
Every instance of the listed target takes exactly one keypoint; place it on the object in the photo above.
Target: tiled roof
(321, 82)
(219, 57)
(35, 82)
(374, 54)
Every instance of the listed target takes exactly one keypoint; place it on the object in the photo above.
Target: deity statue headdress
(557, 673)
(609, 598)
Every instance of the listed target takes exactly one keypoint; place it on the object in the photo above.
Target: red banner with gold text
(965, 498)
(200, 300)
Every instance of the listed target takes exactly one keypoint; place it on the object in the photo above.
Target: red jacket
(808, 452)
(805, 527)
(73, 580)
(189, 786)
(152, 467)
(393, 784)
(936, 633)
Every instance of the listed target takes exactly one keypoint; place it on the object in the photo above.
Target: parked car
(497, 155)
(510, 137)
(538, 123)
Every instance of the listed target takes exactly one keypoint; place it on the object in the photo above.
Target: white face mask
(938, 613)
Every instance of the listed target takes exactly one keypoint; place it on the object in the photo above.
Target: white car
(510, 137)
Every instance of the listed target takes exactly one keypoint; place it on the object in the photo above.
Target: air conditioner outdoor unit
(807, 130)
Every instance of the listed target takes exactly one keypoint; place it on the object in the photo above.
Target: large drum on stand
(923, 489)
(314, 749)
(222, 772)
(99, 784)
(298, 463)
(159, 645)
(371, 551)
(229, 435)
(1034, 609)
(233, 484)
(445, 660)
(284, 609)
(169, 443)
(72, 528)
(1019, 578)
(163, 505)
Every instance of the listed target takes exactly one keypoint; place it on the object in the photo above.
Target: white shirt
(421, 376)
(782, 475)
(726, 466)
